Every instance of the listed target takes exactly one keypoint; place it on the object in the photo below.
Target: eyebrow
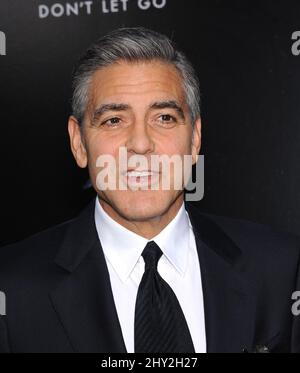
(169, 104)
(102, 109)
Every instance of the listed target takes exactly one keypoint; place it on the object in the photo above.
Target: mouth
(141, 178)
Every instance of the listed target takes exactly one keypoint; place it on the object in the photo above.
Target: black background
(250, 84)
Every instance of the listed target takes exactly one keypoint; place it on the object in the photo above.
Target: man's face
(140, 106)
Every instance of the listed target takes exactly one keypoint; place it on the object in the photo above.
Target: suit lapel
(228, 304)
(83, 300)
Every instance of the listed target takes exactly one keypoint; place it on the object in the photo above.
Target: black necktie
(160, 325)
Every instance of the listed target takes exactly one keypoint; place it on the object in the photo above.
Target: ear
(76, 142)
(196, 140)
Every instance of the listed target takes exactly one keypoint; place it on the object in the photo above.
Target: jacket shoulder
(254, 238)
(35, 250)
(255, 233)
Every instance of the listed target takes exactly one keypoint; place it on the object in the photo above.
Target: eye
(112, 122)
(167, 119)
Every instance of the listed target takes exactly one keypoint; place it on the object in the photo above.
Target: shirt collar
(123, 247)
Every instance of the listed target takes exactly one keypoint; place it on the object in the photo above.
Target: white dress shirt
(178, 266)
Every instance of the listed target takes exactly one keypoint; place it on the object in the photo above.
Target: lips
(141, 178)
(134, 173)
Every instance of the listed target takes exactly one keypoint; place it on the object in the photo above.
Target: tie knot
(151, 255)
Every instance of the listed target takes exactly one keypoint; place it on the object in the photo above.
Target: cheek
(177, 145)
(100, 152)
(99, 145)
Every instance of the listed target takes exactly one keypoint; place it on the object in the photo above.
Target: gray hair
(132, 45)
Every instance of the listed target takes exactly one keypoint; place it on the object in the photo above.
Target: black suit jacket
(59, 297)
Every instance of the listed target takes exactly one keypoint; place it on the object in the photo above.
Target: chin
(141, 206)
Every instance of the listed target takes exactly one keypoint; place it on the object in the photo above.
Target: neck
(146, 228)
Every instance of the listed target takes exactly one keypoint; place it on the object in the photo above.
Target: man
(140, 270)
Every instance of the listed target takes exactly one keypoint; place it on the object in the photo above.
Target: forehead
(137, 82)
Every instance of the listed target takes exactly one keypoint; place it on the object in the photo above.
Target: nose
(139, 141)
